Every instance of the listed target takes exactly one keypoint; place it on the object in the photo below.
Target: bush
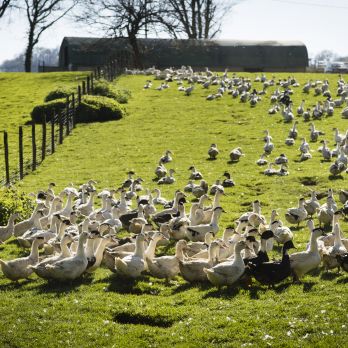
(14, 201)
(59, 93)
(98, 109)
(47, 109)
(107, 89)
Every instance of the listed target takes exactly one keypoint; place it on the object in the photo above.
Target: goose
(338, 138)
(19, 268)
(198, 232)
(192, 270)
(136, 223)
(329, 256)
(314, 134)
(304, 261)
(312, 205)
(87, 208)
(167, 266)
(236, 154)
(297, 215)
(195, 175)
(7, 231)
(270, 170)
(167, 180)
(227, 182)
(343, 261)
(201, 189)
(282, 234)
(262, 161)
(128, 182)
(189, 186)
(293, 131)
(189, 90)
(178, 225)
(268, 148)
(281, 159)
(158, 199)
(271, 273)
(228, 272)
(325, 151)
(300, 109)
(132, 265)
(161, 170)
(307, 115)
(261, 255)
(213, 152)
(326, 212)
(23, 226)
(215, 187)
(40, 268)
(267, 137)
(167, 157)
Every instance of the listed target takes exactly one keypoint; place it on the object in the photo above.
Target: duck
(40, 268)
(343, 261)
(271, 273)
(282, 234)
(326, 212)
(6, 232)
(199, 190)
(189, 186)
(227, 182)
(270, 170)
(300, 109)
(325, 151)
(128, 182)
(297, 215)
(261, 255)
(262, 161)
(192, 270)
(281, 159)
(289, 141)
(195, 248)
(166, 158)
(132, 265)
(21, 227)
(87, 208)
(267, 137)
(216, 187)
(195, 175)
(236, 154)
(160, 171)
(304, 147)
(312, 204)
(167, 180)
(178, 225)
(305, 261)
(167, 266)
(329, 255)
(19, 268)
(71, 267)
(213, 152)
(198, 232)
(158, 199)
(268, 148)
(307, 115)
(314, 134)
(228, 272)
(338, 138)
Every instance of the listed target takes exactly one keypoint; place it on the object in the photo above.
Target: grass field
(19, 93)
(104, 310)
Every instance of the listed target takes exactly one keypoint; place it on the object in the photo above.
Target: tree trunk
(29, 51)
(136, 52)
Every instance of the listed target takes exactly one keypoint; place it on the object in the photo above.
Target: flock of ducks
(76, 237)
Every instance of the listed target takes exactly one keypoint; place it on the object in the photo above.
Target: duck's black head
(267, 234)
(289, 245)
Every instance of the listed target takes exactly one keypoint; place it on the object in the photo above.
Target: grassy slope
(19, 93)
(89, 311)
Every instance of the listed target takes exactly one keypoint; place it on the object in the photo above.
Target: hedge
(107, 89)
(47, 109)
(14, 201)
(59, 93)
(98, 109)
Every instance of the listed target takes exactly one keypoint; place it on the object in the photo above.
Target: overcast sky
(320, 24)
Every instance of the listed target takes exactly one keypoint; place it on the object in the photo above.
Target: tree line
(192, 19)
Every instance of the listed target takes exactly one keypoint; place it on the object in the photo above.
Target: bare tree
(41, 15)
(197, 19)
(123, 18)
(4, 5)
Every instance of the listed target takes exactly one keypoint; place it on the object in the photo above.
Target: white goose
(7, 231)
(297, 215)
(167, 179)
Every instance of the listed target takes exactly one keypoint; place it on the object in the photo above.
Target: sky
(319, 24)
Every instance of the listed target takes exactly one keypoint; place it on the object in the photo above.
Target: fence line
(56, 127)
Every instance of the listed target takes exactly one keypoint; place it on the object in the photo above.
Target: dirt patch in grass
(309, 181)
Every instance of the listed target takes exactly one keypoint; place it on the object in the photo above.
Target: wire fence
(36, 141)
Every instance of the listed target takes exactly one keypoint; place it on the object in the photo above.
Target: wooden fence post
(52, 136)
(33, 145)
(61, 126)
(79, 94)
(67, 118)
(99, 72)
(83, 87)
(92, 84)
(43, 145)
(7, 165)
(73, 107)
(20, 146)
(88, 85)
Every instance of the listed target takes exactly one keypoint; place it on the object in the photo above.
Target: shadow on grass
(335, 177)
(225, 292)
(14, 285)
(186, 286)
(232, 162)
(329, 275)
(211, 159)
(342, 280)
(307, 286)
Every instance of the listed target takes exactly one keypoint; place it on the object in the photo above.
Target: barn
(81, 53)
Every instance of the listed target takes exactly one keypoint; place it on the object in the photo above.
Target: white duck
(23, 226)
(72, 267)
(7, 231)
(167, 180)
(132, 265)
(312, 204)
(282, 234)
(228, 272)
(297, 215)
(305, 261)
(19, 268)
(213, 151)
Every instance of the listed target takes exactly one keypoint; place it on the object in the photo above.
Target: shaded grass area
(105, 310)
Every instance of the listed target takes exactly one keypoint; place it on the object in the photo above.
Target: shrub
(47, 109)
(98, 109)
(59, 93)
(14, 201)
(107, 89)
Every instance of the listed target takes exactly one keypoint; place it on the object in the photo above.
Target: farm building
(77, 53)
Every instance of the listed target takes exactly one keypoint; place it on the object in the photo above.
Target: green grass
(104, 310)
(19, 93)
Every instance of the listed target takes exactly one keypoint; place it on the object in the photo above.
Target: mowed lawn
(104, 310)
